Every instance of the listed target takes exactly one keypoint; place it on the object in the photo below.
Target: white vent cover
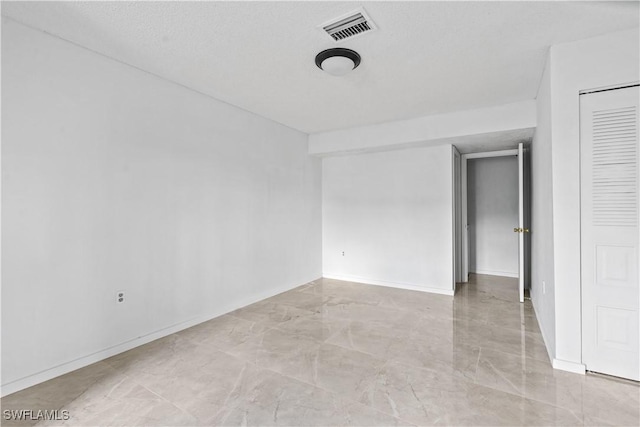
(349, 25)
(615, 141)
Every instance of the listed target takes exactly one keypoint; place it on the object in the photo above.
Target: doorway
(492, 213)
(494, 225)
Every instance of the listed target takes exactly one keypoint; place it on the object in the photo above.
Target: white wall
(391, 214)
(115, 179)
(542, 270)
(492, 209)
(613, 59)
(436, 129)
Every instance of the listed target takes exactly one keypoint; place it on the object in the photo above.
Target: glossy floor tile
(340, 353)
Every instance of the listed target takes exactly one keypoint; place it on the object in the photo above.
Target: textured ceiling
(425, 58)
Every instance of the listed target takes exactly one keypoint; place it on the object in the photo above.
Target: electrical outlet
(544, 287)
(342, 253)
(119, 297)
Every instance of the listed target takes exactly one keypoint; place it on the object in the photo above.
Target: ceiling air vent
(349, 25)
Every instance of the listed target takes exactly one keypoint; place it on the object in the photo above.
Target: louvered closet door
(609, 186)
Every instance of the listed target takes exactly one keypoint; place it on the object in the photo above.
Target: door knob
(526, 230)
(517, 230)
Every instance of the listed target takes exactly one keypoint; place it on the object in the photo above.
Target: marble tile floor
(335, 353)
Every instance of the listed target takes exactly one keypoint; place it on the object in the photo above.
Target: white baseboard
(542, 332)
(367, 281)
(565, 365)
(81, 362)
(496, 273)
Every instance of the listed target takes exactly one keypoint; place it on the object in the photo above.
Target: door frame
(464, 207)
(457, 216)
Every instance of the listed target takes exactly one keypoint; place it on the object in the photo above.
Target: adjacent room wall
(114, 179)
(492, 209)
(542, 270)
(390, 214)
(612, 59)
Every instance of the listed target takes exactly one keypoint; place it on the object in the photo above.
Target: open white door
(609, 232)
(521, 226)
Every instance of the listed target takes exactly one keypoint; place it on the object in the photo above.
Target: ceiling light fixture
(338, 61)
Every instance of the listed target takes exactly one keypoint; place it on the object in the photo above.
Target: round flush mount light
(338, 61)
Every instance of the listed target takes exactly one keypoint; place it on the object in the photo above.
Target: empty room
(323, 213)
